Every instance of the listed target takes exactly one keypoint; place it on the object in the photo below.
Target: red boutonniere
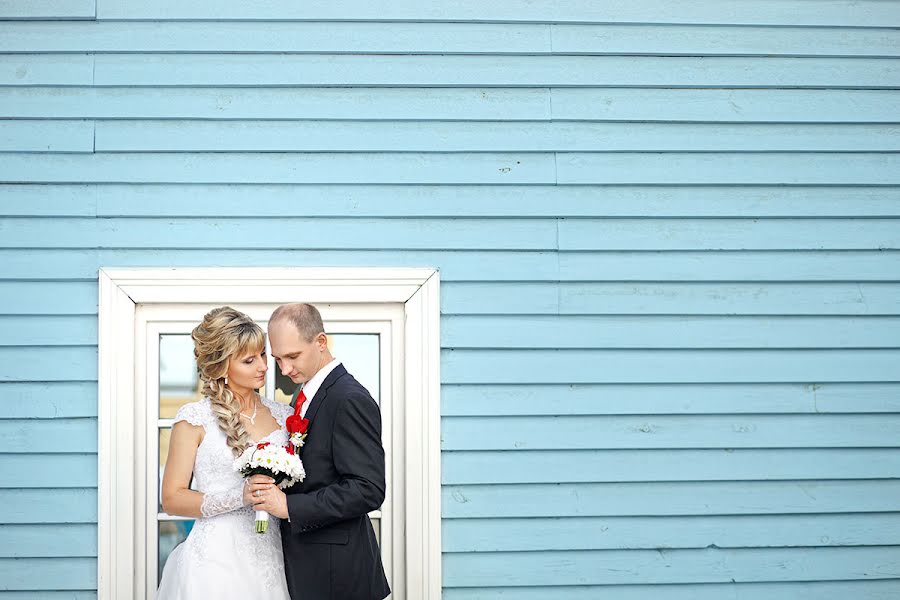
(297, 425)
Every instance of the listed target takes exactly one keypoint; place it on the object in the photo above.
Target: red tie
(301, 398)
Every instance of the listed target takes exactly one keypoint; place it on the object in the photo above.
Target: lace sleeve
(222, 502)
(195, 413)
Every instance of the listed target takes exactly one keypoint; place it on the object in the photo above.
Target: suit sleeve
(359, 460)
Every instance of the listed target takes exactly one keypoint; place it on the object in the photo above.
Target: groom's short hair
(305, 317)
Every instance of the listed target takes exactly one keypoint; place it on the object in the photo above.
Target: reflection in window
(178, 379)
(171, 533)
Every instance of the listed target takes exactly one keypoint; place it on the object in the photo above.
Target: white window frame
(417, 534)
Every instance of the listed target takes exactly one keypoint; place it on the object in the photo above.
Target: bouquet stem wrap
(262, 521)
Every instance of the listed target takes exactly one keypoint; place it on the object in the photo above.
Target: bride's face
(248, 370)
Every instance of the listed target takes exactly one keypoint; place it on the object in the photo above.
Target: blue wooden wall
(668, 234)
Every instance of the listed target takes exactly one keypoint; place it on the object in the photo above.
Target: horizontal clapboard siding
(55, 573)
(647, 331)
(48, 9)
(533, 399)
(586, 465)
(855, 282)
(870, 590)
(668, 366)
(690, 168)
(49, 505)
(622, 533)
(35, 540)
(604, 567)
(681, 431)
(538, 136)
(533, 201)
(49, 400)
(295, 37)
(406, 70)
(668, 237)
(31, 595)
(868, 13)
(446, 38)
(668, 498)
(465, 233)
(28, 471)
(740, 105)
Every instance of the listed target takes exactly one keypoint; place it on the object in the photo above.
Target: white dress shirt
(312, 386)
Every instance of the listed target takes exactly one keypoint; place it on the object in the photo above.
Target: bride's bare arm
(177, 497)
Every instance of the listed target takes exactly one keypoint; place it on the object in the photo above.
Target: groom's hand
(270, 498)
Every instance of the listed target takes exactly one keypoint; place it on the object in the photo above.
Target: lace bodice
(214, 475)
(213, 468)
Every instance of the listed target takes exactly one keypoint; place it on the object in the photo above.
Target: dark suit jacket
(330, 551)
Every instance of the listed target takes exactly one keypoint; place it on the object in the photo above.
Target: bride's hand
(254, 483)
(272, 500)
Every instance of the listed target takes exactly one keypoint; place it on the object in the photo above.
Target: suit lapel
(320, 396)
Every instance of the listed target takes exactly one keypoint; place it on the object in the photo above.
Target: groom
(330, 551)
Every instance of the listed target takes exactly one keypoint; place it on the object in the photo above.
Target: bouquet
(278, 462)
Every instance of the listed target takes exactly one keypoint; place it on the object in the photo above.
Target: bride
(223, 557)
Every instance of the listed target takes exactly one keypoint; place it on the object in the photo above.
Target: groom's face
(297, 358)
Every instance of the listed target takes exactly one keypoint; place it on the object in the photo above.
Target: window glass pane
(376, 525)
(178, 381)
(171, 533)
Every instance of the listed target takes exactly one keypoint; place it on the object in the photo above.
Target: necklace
(253, 416)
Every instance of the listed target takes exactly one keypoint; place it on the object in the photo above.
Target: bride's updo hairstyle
(225, 333)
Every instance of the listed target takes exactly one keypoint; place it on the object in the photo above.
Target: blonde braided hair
(225, 333)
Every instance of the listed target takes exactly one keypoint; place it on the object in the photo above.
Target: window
(390, 345)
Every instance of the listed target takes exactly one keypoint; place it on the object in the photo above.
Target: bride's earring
(226, 380)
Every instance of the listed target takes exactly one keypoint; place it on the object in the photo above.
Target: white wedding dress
(223, 557)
